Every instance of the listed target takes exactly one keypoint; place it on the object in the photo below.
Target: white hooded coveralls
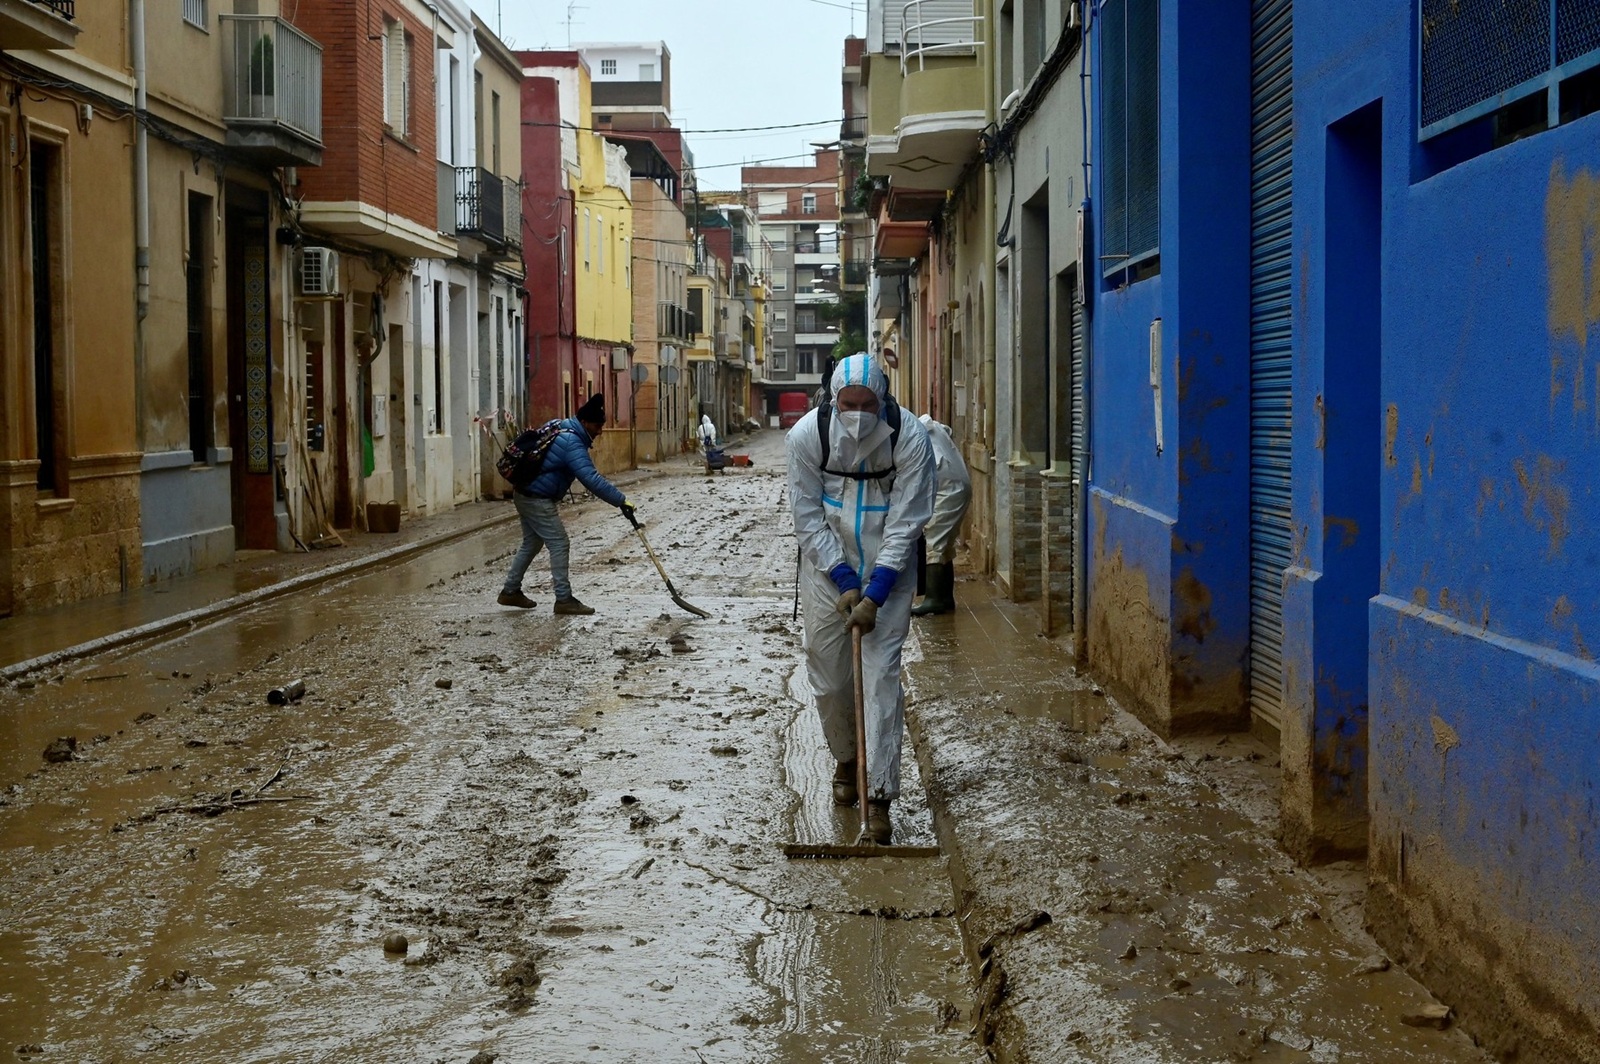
(708, 432)
(952, 495)
(863, 523)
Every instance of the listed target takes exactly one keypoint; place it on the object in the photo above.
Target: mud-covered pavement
(575, 824)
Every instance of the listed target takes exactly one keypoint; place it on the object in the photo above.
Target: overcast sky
(735, 63)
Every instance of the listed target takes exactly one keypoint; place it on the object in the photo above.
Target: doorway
(250, 375)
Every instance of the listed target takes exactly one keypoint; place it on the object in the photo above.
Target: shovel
(863, 846)
(677, 598)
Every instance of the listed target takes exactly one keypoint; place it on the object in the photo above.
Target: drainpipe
(141, 164)
(1088, 278)
(141, 213)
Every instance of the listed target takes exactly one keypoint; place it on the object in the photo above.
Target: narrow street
(574, 822)
(576, 825)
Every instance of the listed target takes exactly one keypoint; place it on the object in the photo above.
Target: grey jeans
(541, 527)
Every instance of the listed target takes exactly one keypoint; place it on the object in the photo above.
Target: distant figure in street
(567, 460)
(861, 489)
(708, 433)
(953, 495)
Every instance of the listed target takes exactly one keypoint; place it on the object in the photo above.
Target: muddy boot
(517, 599)
(940, 583)
(879, 827)
(571, 607)
(844, 783)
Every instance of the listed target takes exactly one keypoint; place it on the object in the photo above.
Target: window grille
(608, 66)
(1130, 132)
(194, 12)
(1478, 56)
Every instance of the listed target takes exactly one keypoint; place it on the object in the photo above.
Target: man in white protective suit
(860, 501)
(952, 495)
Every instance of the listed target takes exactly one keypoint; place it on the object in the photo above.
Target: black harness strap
(891, 414)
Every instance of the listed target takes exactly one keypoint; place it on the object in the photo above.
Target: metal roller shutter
(1271, 356)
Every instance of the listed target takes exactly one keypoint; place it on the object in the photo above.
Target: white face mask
(857, 423)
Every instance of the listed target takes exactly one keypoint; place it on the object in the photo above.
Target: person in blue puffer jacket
(566, 460)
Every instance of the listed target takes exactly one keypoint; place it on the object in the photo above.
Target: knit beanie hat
(594, 411)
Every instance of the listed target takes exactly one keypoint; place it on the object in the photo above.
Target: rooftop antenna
(572, 8)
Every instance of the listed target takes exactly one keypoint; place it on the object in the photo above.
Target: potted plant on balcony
(263, 76)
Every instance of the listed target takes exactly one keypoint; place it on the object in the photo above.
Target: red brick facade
(821, 179)
(362, 160)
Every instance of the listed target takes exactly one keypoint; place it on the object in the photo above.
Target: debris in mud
(658, 986)
(395, 942)
(62, 749)
(293, 691)
(1130, 953)
(195, 744)
(1372, 965)
(181, 979)
(637, 654)
(725, 751)
(29, 1049)
(1432, 1015)
(628, 799)
(949, 1013)
(141, 718)
(520, 981)
(483, 1056)
(641, 820)
(444, 683)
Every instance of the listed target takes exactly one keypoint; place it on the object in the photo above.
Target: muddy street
(573, 822)
(485, 833)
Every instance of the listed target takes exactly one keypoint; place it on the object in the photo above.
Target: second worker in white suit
(860, 502)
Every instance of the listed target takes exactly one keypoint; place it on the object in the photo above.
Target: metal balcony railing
(64, 8)
(856, 270)
(854, 127)
(272, 75)
(480, 204)
(930, 30)
(673, 321)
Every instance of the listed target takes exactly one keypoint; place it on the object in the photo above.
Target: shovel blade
(689, 606)
(802, 851)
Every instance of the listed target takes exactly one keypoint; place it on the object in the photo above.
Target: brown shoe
(571, 607)
(879, 828)
(517, 599)
(844, 782)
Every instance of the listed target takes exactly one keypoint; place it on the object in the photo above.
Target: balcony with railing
(37, 24)
(674, 322)
(928, 102)
(855, 272)
(480, 205)
(272, 90)
(853, 130)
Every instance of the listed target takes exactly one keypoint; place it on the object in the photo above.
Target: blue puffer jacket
(568, 460)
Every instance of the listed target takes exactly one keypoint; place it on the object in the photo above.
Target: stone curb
(234, 603)
(244, 600)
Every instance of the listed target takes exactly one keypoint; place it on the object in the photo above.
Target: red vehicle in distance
(792, 406)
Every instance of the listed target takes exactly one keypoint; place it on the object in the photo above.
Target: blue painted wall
(1482, 689)
(1169, 532)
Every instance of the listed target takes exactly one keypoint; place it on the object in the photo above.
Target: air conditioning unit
(619, 358)
(319, 272)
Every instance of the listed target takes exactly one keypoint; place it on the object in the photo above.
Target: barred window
(1130, 133)
(1477, 57)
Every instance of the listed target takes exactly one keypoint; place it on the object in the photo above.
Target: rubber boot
(844, 783)
(880, 829)
(941, 579)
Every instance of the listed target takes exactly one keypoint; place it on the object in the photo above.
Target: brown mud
(574, 822)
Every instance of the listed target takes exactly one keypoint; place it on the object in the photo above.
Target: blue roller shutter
(1271, 357)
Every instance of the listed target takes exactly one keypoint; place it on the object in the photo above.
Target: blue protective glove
(881, 584)
(844, 578)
